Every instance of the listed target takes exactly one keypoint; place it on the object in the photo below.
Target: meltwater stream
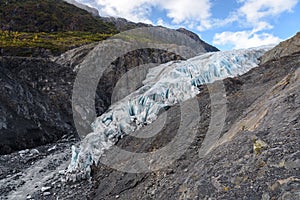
(164, 86)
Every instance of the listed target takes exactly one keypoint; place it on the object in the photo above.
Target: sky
(226, 24)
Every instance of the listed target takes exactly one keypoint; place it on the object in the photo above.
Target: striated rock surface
(33, 103)
(74, 57)
(286, 48)
(207, 47)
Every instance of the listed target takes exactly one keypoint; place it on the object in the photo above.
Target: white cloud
(134, 10)
(256, 10)
(161, 22)
(179, 11)
(233, 17)
(256, 15)
(244, 39)
(260, 26)
(204, 25)
(195, 13)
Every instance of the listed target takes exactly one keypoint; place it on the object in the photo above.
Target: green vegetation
(29, 27)
(57, 42)
(138, 38)
(259, 146)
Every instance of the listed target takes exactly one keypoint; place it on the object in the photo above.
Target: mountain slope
(257, 158)
(43, 30)
(51, 27)
(286, 48)
(53, 80)
(32, 103)
(93, 11)
(46, 28)
(49, 16)
(122, 24)
(207, 47)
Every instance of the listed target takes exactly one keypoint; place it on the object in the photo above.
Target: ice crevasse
(164, 86)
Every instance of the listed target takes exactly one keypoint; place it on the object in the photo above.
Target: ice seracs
(164, 86)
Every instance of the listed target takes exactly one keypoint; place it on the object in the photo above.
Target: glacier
(165, 85)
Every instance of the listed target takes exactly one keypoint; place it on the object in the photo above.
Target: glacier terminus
(165, 85)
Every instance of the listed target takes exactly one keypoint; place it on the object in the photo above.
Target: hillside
(257, 156)
(151, 113)
(91, 10)
(288, 47)
(43, 109)
(49, 16)
(30, 36)
(47, 28)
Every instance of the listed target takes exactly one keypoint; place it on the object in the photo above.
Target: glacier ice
(165, 85)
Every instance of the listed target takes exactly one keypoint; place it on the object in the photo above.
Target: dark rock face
(33, 112)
